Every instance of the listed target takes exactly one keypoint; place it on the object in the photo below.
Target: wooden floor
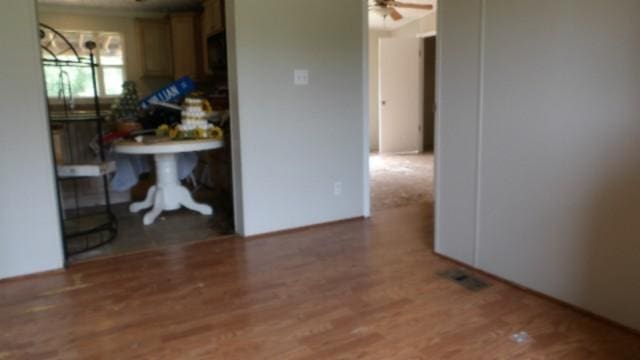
(363, 289)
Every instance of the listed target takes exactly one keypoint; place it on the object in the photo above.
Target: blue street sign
(174, 91)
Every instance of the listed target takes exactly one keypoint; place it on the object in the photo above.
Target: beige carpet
(400, 180)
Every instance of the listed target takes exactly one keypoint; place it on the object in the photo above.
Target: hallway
(401, 180)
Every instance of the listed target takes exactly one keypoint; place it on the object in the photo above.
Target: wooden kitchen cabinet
(154, 42)
(212, 32)
(212, 17)
(185, 35)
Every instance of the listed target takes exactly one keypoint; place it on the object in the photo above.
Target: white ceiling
(408, 15)
(145, 5)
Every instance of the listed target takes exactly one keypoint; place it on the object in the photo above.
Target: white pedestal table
(168, 193)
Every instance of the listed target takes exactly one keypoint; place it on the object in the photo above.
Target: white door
(400, 95)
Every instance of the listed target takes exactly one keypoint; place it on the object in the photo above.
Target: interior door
(401, 95)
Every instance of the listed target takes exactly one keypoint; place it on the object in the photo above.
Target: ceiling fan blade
(395, 15)
(412, 6)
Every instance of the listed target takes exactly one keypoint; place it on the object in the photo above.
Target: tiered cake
(194, 117)
(193, 124)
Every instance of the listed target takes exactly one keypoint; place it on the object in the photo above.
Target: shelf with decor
(84, 229)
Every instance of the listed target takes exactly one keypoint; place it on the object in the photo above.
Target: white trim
(479, 132)
(58, 232)
(427, 34)
(436, 141)
(366, 203)
(379, 96)
(421, 86)
(234, 124)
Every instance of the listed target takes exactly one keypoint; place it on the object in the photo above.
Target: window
(110, 75)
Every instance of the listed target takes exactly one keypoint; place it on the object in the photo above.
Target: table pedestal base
(168, 193)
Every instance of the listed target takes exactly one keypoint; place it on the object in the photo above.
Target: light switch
(301, 77)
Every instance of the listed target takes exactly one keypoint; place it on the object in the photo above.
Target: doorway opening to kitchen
(138, 108)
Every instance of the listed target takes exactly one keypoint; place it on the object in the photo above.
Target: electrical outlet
(301, 77)
(337, 188)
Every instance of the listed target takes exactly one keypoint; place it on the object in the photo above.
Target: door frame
(366, 141)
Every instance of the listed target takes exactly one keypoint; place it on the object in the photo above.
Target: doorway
(119, 83)
(402, 154)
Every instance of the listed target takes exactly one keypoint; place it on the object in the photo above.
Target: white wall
(557, 178)
(30, 239)
(424, 25)
(374, 72)
(457, 127)
(296, 141)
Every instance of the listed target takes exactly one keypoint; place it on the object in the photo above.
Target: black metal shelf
(88, 232)
(91, 230)
(75, 118)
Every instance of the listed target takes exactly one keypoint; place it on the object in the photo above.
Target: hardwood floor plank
(363, 289)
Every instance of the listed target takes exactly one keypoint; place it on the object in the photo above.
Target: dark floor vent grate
(465, 279)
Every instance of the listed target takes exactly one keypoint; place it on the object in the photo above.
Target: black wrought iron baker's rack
(83, 229)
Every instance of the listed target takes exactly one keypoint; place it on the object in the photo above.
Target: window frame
(99, 69)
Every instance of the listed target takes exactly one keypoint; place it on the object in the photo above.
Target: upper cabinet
(186, 47)
(154, 42)
(184, 43)
(212, 17)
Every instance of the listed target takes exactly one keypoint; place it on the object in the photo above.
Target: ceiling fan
(386, 8)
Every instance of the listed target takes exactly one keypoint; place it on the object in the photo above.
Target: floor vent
(465, 279)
